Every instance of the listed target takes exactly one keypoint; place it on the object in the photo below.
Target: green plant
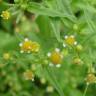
(57, 47)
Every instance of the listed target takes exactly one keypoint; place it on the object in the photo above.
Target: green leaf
(44, 26)
(62, 6)
(55, 24)
(39, 9)
(91, 26)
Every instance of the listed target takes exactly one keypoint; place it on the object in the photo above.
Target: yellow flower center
(26, 46)
(56, 57)
(5, 15)
(70, 40)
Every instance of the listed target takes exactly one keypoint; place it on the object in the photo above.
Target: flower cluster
(29, 46)
(5, 15)
(70, 40)
(55, 57)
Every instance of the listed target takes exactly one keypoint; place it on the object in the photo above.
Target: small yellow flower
(70, 40)
(6, 56)
(29, 46)
(55, 57)
(29, 75)
(91, 78)
(5, 15)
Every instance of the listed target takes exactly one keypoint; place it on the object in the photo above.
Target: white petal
(64, 45)
(21, 51)
(58, 65)
(75, 43)
(66, 37)
(20, 44)
(26, 39)
(72, 36)
(51, 65)
(32, 79)
(49, 54)
(57, 50)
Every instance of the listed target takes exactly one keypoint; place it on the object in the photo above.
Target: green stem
(85, 91)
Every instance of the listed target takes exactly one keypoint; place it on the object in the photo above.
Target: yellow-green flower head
(55, 58)
(28, 75)
(5, 15)
(91, 78)
(70, 40)
(29, 46)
